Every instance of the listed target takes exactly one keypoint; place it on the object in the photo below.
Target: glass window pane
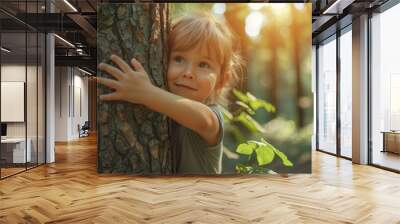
(327, 96)
(346, 94)
(23, 85)
(31, 97)
(385, 89)
(13, 85)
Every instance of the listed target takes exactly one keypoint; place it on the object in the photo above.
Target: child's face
(193, 74)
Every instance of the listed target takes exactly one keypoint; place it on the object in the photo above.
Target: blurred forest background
(275, 41)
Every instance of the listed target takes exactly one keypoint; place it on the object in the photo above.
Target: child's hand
(130, 85)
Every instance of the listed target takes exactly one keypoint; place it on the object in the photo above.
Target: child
(202, 63)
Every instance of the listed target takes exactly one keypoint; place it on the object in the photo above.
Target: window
(327, 96)
(385, 87)
(22, 76)
(346, 93)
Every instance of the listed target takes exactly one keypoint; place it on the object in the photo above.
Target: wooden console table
(391, 141)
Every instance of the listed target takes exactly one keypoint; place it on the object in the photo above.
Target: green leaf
(251, 97)
(245, 106)
(269, 107)
(253, 102)
(249, 123)
(256, 142)
(239, 168)
(241, 96)
(243, 169)
(263, 170)
(280, 154)
(258, 103)
(265, 155)
(227, 115)
(246, 148)
(283, 157)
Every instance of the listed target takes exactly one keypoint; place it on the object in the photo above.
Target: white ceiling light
(5, 50)
(65, 41)
(71, 6)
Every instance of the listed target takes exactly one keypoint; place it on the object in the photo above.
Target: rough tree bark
(131, 138)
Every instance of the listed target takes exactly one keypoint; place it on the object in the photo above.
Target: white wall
(81, 96)
(61, 103)
(71, 94)
(16, 73)
(33, 127)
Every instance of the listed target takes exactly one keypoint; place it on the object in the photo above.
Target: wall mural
(211, 88)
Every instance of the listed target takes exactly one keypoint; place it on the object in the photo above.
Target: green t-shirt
(196, 156)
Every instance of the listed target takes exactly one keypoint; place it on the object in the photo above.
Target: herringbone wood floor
(71, 191)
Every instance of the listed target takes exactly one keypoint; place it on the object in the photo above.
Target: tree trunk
(274, 42)
(296, 29)
(131, 138)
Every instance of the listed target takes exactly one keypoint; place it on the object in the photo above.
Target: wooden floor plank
(71, 191)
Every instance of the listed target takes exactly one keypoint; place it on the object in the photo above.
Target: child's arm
(136, 87)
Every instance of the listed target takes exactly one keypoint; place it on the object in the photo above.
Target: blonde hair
(201, 28)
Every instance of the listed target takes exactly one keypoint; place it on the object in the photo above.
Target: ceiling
(332, 15)
(76, 22)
